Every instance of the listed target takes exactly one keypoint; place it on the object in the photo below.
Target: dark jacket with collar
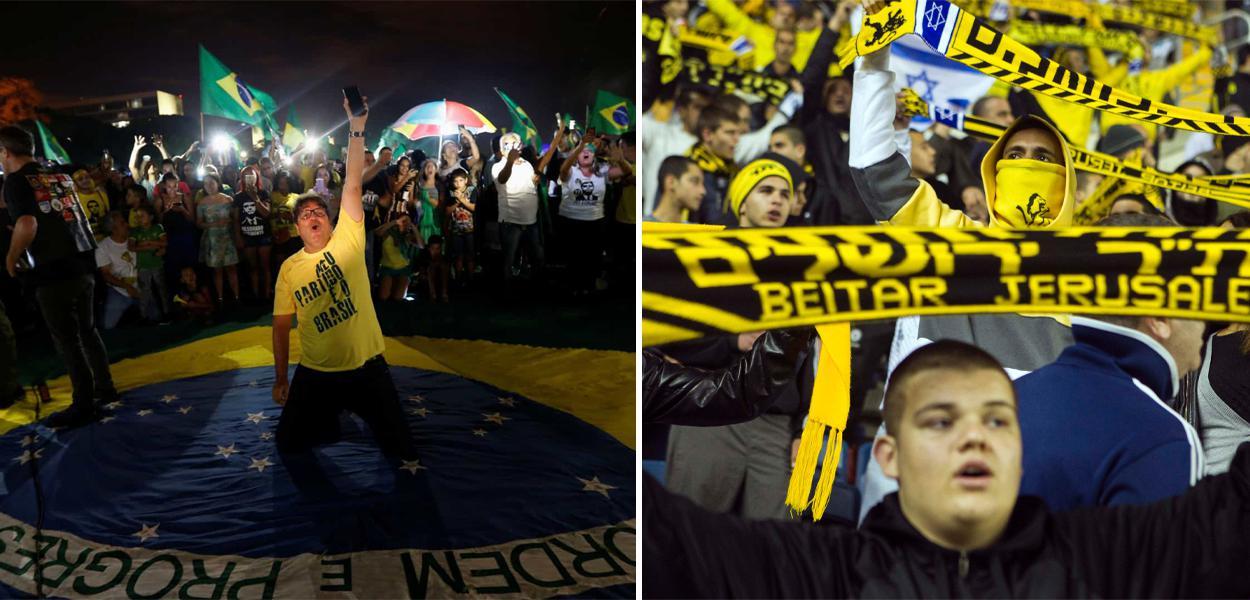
(1095, 426)
(1197, 544)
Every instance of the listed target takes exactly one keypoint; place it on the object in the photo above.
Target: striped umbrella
(440, 118)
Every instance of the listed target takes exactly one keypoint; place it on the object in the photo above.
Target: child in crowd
(148, 241)
(401, 241)
(193, 300)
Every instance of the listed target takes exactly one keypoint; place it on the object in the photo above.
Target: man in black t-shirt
(54, 247)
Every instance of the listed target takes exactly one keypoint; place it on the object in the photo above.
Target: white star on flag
(416, 398)
(260, 465)
(226, 451)
(114, 405)
(495, 418)
(26, 456)
(256, 418)
(412, 466)
(253, 383)
(146, 532)
(107, 419)
(184, 410)
(266, 435)
(167, 398)
(594, 485)
(479, 432)
(28, 440)
(419, 411)
(507, 401)
(936, 17)
(145, 412)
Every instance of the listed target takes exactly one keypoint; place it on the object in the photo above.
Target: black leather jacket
(680, 395)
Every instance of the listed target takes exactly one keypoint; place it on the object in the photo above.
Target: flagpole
(203, 143)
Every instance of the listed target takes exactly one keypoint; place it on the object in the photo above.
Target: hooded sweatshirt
(1194, 545)
(882, 176)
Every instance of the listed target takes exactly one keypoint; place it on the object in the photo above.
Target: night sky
(546, 56)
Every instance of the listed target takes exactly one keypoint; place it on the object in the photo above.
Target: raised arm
(1195, 544)
(190, 149)
(817, 71)
(355, 163)
(373, 171)
(692, 552)
(568, 163)
(551, 149)
(159, 142)
(477, 156)
(881, 171)
(134, 156)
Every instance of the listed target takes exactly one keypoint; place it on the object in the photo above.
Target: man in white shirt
(517, 184)
(116, 262)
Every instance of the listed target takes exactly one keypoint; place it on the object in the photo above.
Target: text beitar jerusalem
(697, 284)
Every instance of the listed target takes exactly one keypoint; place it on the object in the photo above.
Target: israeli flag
(940, 81)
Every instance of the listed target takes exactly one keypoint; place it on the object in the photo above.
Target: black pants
(311, 414)
(583, 243)
(9, 388)
(67, 310)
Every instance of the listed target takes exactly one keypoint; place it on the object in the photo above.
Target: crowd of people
(200, 235)
(172, 230)
(980, 427)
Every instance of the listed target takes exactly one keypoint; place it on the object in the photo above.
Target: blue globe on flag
(244, 94)
(620, 116)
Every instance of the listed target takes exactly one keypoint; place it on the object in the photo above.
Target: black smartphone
(354, 101)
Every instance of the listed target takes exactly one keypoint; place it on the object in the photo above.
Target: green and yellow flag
(224, 94)
(612, 114)
(52, 149)
(521, 122)
(292, 135)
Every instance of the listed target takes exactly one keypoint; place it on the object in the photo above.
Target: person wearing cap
(742, 468)
(326, 286)
(1029, 184)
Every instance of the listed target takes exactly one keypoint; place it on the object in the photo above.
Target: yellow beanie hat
(750, 176)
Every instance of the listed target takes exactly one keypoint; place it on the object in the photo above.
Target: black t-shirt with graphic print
(251, 223)
(63, 247)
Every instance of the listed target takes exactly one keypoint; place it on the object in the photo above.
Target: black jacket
(681, 395)
(1196, 544)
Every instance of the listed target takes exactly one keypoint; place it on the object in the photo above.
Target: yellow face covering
(1029, 193)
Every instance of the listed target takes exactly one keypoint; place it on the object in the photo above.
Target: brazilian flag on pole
(612, 114)
(224, 94)
(52, 149)
(521, 122)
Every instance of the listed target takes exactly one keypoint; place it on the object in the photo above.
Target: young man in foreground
(956, 527)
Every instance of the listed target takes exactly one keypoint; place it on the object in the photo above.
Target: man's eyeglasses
(309, 214)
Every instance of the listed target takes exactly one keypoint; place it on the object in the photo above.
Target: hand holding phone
(354, 100)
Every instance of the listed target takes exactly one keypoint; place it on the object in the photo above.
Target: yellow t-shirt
(328, 292)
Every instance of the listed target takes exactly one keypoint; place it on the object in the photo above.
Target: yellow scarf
(1029, 192)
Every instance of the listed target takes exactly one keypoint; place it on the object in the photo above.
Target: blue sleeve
(1161, 472)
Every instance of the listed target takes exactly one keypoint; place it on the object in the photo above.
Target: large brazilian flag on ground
(224, 94)
(524, 484)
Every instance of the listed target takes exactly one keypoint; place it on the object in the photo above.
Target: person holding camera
(326, 286)
(51, 237)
